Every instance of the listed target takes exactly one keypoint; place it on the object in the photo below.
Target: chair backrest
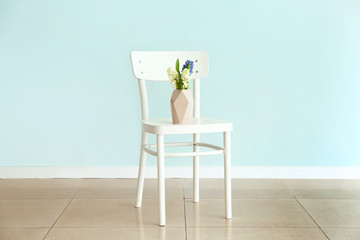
(150, 65)
(153, 65)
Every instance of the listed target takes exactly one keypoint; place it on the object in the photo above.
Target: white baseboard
(182, 172)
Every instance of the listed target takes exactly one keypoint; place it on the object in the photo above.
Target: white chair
(153, 66)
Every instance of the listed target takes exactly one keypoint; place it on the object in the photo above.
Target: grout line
(259, 226)
(287, 188)
(312, 219)
(57, 219)
(344, 199)
(305, 210)
(181, 227)
(355, 228)
(282, 180)
(65, 208)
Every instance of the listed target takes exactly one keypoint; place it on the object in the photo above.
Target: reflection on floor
(104, 209)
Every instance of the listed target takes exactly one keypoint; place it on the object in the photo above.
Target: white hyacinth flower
(185, 77)
(185, 74)
(173, 75)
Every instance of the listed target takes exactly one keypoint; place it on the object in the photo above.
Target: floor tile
(116, 233)
(323, 188)
(126, 189)
(31, 213)
(255, 233)
(342, 233)
(89, 213)
(39, 188)
(23, 233)
(241, 188)
(333, 212)
(246, 212)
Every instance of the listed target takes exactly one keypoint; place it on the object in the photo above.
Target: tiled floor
(91, 209)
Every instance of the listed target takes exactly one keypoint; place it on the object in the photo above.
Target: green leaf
(177, 66)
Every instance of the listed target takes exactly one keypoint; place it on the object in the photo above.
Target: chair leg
(196, 138)
(227, 173)
(141, 174)
(161, 178)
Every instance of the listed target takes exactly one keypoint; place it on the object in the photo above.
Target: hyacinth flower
(180, 80)
(173, 77)
(189, 65)
(185, 74)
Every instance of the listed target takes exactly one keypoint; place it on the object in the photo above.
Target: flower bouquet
(182, 98)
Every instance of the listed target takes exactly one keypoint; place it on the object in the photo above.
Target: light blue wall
(286, 72)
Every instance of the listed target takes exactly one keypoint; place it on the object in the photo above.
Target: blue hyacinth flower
(186, 65)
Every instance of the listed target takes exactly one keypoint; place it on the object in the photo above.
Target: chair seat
(200, 125)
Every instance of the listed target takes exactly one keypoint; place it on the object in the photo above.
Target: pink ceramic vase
(182, 106)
